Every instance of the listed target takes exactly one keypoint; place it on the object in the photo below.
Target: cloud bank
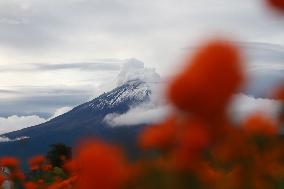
(15, 122)
(243, 106)
(143, 114)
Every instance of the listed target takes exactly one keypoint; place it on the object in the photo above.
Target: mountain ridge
(85, 120)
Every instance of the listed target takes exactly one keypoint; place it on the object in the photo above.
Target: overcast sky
(60, 53)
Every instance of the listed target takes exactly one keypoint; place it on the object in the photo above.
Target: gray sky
(60, 53)
(66, 31)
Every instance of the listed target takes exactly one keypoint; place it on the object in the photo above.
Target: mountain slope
(83, 121)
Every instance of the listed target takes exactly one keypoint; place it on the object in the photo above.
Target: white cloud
(134, 69)
(240, 108)
(243, 106)
(61, 111)
(143, 114)
(6, 139)
(14, 123)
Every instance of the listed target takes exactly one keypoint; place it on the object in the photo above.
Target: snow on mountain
(141, 83)
(134, 90)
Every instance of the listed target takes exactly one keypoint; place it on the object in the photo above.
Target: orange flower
(65, 184)
(159, 136)
(10, 162)
(40, 181)
(18, 175)
(230, 151)
(209, 175)
(2, 178)
(70, 166)
(234, 177)
(258, 124)
(47, 167)
(277, 4)
(207, 83)
(99, 165)
(194, 137)
(30, 185)
(62, 158)
(279, 93)
(36, 162)
(55, 185)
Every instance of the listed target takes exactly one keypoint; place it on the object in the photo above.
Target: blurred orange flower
(18, 174)
(279, 93)
(99, 165)
(1, 179)
(30, 185)
(47, 167)
(159, 136)
(194, 137)
(278, 4)
(258, 124)
(206, 85)
(10, 162)
(36, 162)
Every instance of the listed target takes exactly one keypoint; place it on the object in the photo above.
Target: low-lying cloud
(15, 122)
(6, 139)
(143, 114)
(243, 106)
(42, 101)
